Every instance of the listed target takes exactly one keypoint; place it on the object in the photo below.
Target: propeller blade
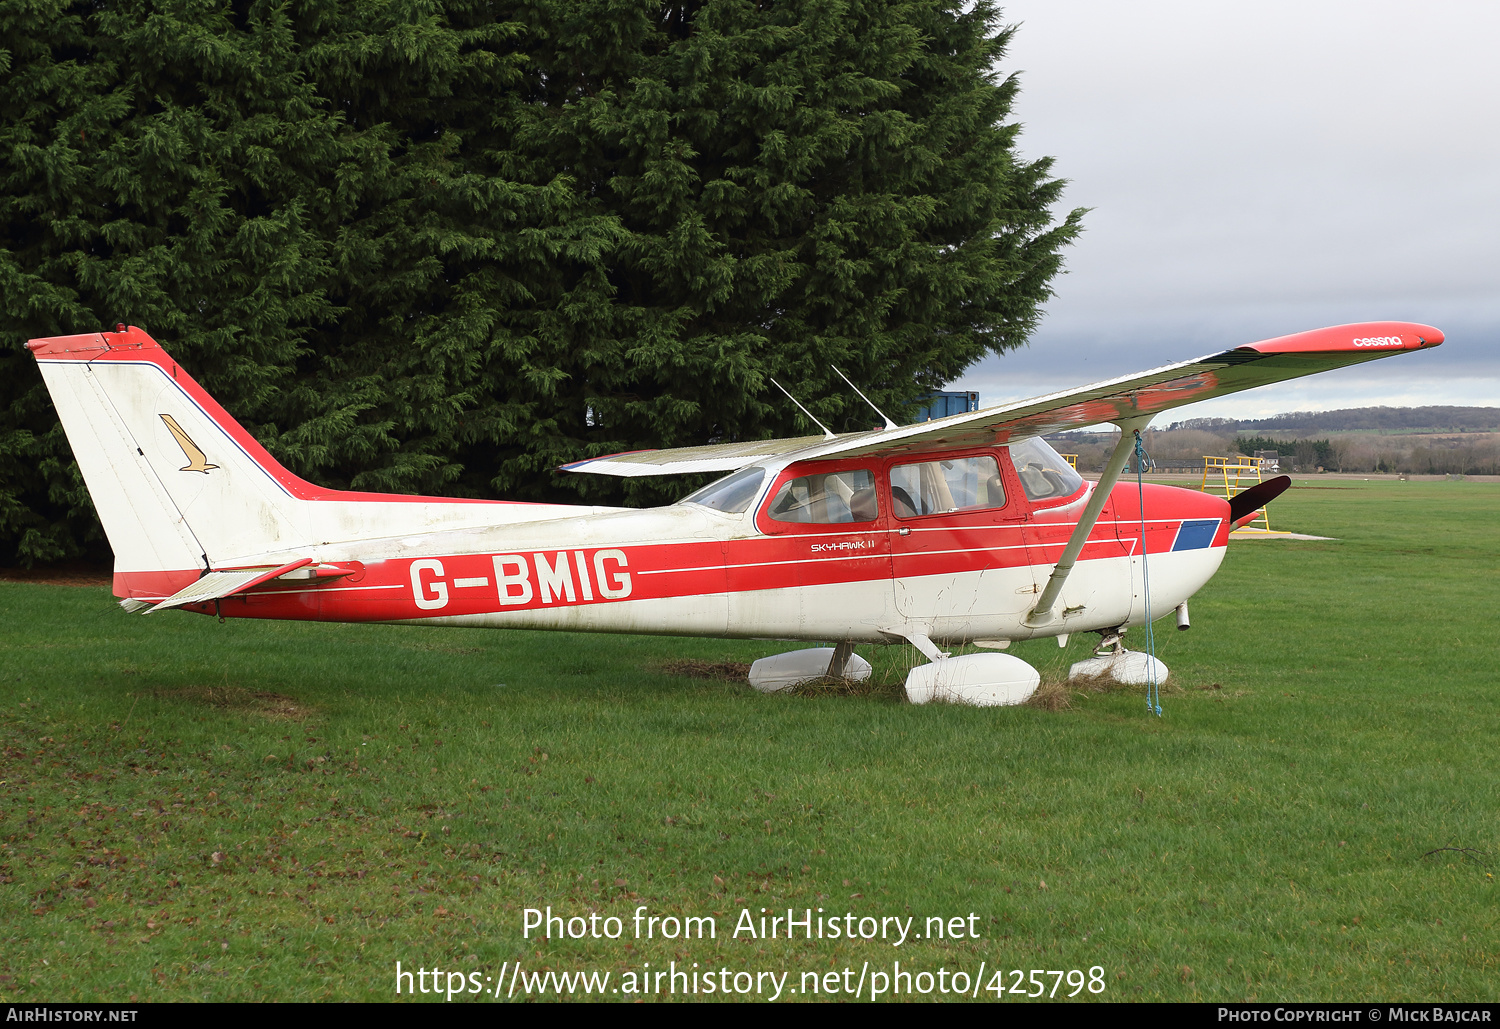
(1242, 505)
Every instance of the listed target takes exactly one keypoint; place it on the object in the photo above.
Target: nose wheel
(1112, 662)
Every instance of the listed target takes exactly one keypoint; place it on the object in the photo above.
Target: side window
(828, 498)
(938, 487)
(1043, 472)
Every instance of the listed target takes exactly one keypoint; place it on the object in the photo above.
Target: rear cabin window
(940, 487)
(827, 499)
(1043, 472)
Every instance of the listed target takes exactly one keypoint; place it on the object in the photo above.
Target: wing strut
(1042, 614)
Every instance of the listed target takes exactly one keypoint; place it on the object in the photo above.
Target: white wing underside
(716, 457)
(1150, 392)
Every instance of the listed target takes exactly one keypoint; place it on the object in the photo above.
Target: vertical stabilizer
(181, 487)
(178, 484)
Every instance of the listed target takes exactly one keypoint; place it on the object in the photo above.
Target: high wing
(716, 457)
(1146, 393)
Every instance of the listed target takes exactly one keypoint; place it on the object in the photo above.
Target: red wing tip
(1370, 338)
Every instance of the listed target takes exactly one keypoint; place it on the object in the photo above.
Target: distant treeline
(1308, 453)
(1358, 419)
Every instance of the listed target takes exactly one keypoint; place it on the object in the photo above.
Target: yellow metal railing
(1072, 459)
(1227, 476)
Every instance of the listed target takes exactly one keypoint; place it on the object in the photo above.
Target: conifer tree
(445, 246)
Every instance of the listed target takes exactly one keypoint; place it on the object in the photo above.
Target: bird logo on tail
(197, 459)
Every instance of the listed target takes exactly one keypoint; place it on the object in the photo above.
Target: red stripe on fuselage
(468, 584)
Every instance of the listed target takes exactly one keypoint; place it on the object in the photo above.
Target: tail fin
(182, 488)
(179, 486)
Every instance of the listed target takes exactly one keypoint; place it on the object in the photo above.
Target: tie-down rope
(1153, 688)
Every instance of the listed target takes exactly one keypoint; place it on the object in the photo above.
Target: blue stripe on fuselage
(1196, 534)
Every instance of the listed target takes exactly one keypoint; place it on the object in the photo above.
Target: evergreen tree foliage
(446, 245)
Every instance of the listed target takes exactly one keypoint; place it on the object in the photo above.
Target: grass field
(260, 811)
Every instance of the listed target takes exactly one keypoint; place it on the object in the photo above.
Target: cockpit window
(731, 494)
(827, 498)
(1043, 473)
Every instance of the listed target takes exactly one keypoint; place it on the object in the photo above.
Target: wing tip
(1370, 339)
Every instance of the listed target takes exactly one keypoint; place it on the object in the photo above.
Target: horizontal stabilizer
(218, 585)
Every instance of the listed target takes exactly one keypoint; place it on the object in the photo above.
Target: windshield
(1043, 473)
(731, 494)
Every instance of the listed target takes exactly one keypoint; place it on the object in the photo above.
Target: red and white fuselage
(828, 544)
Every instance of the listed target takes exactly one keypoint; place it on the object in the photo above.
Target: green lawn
(260, 811)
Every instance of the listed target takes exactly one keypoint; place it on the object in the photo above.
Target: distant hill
(1358, 419)
(1417, 440)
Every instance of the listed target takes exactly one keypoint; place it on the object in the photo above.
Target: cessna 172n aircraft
(968, 528)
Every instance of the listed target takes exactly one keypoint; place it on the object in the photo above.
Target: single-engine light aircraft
(965, 529)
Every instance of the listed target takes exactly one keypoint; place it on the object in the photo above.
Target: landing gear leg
(1111, 642)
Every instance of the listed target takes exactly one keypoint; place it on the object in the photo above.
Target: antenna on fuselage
(826, 433)
(888, 423)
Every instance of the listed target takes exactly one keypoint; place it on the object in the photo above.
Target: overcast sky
(1261, 169)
